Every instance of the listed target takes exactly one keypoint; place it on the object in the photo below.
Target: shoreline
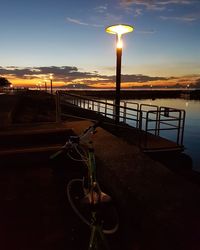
(139, 94)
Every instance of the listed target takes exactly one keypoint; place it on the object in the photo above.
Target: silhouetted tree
(4, 82)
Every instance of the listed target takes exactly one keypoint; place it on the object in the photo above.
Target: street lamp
(39, 84)
(45, 84)
(118, 30)
(51, 79)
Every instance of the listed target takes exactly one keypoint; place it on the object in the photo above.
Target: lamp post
(118, 30)
(45, 84)
(39, 85)
(51, 79)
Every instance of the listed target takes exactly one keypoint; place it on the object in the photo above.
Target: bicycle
(94, 207)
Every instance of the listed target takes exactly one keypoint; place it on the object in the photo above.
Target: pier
(159, 208)
(144, 122)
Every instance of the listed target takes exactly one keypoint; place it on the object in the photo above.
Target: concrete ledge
(159, 210)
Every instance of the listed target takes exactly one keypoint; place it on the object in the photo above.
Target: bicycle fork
(97, 237)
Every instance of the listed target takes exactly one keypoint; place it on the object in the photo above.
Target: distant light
(119, 29)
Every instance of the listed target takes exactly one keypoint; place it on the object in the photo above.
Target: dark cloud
(71, 74)
(18, 72)
(63, 73)
(140, 78)
(37, 70)
(128, 78)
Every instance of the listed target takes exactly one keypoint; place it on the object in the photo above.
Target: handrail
(167, 121)
(133, 115)
(149, 118)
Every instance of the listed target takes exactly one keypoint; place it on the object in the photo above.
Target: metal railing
(105, 108)
(163, 121)
(147, 118)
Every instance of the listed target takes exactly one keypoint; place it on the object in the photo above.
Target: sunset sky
(68, 39)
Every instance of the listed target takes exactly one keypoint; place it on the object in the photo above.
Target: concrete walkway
(159, 210)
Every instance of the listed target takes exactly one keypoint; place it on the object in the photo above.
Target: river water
(192, 124)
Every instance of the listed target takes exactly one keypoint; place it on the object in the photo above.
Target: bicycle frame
(96, 227)
(93, 194)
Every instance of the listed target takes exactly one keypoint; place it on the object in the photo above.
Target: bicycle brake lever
(56, 154)
(63, 148)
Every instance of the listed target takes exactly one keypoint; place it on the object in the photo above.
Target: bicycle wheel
(106, 211)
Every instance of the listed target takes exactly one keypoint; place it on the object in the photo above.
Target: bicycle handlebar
(77, 139)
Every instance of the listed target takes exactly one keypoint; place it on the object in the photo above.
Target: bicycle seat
(93, 197)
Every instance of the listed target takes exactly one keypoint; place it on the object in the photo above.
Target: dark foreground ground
(158, 207)
(34, 210)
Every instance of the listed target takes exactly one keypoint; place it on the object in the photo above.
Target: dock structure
(147, 123)
(151, 199)
(158, 208)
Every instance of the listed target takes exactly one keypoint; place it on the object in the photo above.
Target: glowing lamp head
(51, 76)
(119, 30)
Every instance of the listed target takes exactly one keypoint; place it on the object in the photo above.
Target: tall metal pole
(118, 85)
(51, 86)
(118, 30)
(45, 85)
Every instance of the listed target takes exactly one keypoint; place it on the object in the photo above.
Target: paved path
(159, 210)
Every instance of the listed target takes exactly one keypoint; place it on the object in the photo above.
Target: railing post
(140, 120)
(182, 126)
(146, 128)
(157, 121)
(179, 125)
(98, 107)
(138, 117)
(158, 124)
(106, 108)
(124, 116)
